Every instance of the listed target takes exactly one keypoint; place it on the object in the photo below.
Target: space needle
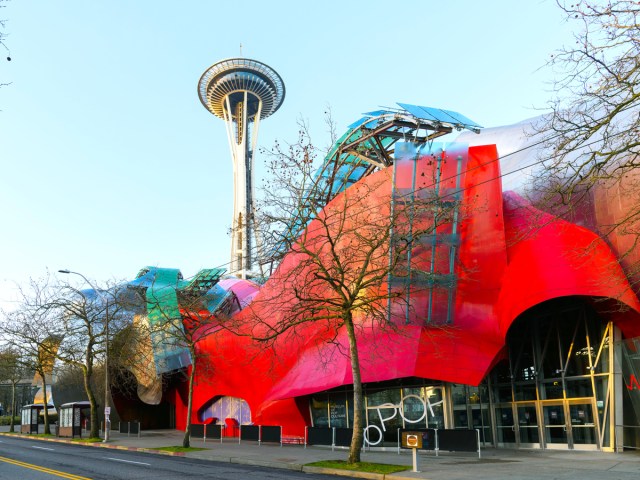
(242, 92)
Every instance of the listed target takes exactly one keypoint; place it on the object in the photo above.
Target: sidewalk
(495, 464)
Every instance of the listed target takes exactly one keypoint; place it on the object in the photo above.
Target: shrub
(6, 420)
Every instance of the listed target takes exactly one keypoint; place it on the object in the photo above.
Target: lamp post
(107, 422)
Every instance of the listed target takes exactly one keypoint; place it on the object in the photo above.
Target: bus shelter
(30, 415)
(71, 415)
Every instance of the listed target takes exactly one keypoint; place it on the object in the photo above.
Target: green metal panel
(165, 322)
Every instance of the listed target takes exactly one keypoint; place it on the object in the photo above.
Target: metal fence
(206, 431)
(261, 434)
(130, 428)
(453, 440)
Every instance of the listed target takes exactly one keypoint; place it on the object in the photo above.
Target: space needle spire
(242, 92)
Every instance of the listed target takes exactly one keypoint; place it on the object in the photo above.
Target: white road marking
(127, 461)
(43, 448)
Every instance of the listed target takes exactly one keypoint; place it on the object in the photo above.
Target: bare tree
(87, 317)
(347, 266)
(36, 333)
(592, 130)
(58, 321)
(12, 370)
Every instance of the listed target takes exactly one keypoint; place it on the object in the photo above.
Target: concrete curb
(264, 463)
(344, 473)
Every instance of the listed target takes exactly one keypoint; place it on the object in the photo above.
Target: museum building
(517, 322)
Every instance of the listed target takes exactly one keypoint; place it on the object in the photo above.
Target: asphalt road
(23, 459)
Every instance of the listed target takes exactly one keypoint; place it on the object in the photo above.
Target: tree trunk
(93, 411)
(13, 408)
(187, 430)
(45, 400)
(358, 400)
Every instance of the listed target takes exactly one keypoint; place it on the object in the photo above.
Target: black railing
(432, 439)
(330, 436)
(261, 434)
(129, 428)
(206, 431)
(319, 436)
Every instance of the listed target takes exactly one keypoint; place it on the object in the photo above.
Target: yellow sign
(412, 439)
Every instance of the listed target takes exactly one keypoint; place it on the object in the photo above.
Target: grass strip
(359, 467)
(87, 440)
(177, 449)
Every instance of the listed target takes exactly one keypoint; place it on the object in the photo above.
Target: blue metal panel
(377, 113)
(461, 118)
(439, 115)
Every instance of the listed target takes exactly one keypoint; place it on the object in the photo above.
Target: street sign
(412, 439)
(107, 410)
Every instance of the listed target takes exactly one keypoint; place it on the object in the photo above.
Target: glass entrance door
(583, 431)
(555, 425)
(527, 428)
(570, 424)
(505, 426)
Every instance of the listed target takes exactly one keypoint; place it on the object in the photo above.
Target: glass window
(459, 394)
(501, 382)
(574, 341)
(319, 410)
(435, 407)
(460, 417)
(525, 391)
(502, 393)
(473, 396)
(602, 366)
(483, 390)
(551, 389)
(602, 385)
(380, 397)
(551, 363)
(521, 352)
(579, 388)
(338, 411)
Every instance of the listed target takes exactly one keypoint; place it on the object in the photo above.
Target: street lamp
(107, 422)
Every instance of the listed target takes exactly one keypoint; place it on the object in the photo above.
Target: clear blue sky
(110, 162)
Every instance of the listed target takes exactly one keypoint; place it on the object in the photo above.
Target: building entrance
(517, 425)
(570, 424)
(553, 389)
(552, 424)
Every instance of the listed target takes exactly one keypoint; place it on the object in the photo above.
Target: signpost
(107, 424)
(413, 440)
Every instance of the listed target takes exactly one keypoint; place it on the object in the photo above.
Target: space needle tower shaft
(242, 92)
